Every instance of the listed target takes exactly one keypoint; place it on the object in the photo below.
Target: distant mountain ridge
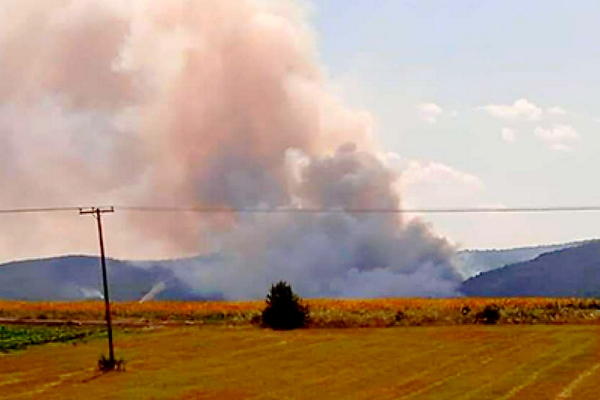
(78, 278)
(572, 271)
(470, 263)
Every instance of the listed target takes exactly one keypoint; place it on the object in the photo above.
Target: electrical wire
(37, 210)
(222, 210)
(457, 210)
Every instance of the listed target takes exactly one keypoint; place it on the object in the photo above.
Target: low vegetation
(328, 313)
(20, 337)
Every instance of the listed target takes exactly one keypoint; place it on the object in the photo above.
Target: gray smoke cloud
(207, 103)
(335, 254)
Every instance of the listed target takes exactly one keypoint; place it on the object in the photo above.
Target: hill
(470, 263)
(573, 271)
(78, 278)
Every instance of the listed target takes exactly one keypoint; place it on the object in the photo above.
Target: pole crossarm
(95, 210)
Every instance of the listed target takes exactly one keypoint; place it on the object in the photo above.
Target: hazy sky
(477, 103)
(489, 103)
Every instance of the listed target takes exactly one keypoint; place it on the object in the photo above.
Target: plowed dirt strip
(458, 362)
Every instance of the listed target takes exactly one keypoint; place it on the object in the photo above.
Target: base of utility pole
(97, 212)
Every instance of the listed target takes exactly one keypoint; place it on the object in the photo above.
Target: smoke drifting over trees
(217, 103)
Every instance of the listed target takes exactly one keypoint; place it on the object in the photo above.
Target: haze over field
(224, 103)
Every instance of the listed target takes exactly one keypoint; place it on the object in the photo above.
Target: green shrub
(284, 308)
(490, 315)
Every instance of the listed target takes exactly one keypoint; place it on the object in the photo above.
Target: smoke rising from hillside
(210, 103)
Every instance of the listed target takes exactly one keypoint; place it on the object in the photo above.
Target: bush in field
(490, 315)
(284, 308)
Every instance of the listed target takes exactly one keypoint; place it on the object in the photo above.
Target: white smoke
(333, 254)
(208, 103)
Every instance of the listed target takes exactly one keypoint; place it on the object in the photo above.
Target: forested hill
(573, 271)
(78, 278)
(473, 262)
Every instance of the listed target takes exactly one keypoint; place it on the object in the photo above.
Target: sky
(488, 103)
(146, 102)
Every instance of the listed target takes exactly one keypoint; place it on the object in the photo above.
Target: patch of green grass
(13, 337)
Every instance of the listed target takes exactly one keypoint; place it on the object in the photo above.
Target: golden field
(327, 313)
(445, 353)
(243, 362)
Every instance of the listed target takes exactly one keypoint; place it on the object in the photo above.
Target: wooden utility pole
(97, 213)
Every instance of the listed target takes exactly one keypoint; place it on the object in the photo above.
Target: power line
(457, 210)
(37, 210)
(226, 210)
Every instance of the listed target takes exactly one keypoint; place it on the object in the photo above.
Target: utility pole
(97, 213)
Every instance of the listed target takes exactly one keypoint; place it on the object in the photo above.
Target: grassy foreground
(219, 362)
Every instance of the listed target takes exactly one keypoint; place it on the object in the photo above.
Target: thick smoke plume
(208, 103)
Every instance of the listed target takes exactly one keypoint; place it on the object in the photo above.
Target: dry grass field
(244, 362)
(326, 313)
